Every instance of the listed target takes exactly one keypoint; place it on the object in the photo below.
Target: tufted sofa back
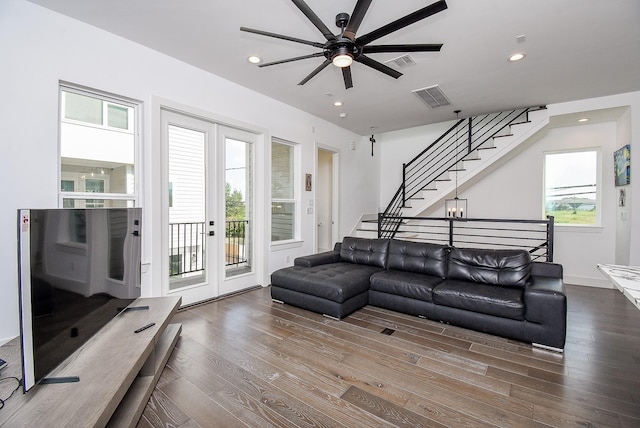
(372, 252)
(430, 259)
(509, 268)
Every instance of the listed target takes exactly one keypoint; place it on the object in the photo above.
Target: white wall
(40, 48)
(515, 189)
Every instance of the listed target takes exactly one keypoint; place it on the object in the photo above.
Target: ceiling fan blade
(378, 66)
(280, 36)
(402, 48)
(314, 72)
(346, 74)
(416, 16)
(315, 20)
(356, 18)
(282, 61)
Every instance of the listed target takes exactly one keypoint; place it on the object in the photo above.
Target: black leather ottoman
(334, 290)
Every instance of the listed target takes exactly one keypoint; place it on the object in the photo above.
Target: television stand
(117, 371)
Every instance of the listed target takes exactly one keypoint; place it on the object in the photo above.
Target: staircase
(470, 146)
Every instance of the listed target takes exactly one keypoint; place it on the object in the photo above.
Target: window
(571, 187)
(98, 147)
(284, 192)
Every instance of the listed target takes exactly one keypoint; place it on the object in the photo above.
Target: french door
(209, 183)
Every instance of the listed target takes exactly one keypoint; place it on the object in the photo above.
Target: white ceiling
(576, 49)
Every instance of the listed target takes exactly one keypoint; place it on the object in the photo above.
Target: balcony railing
(187, 246)
(235, 248)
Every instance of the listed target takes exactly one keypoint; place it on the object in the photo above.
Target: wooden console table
(626, 279)
(118, 370)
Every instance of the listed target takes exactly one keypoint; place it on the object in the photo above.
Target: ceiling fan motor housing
(342, 46)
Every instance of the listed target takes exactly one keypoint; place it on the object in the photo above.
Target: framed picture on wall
(622, 165)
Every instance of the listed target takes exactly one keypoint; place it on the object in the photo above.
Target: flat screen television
(78, 269)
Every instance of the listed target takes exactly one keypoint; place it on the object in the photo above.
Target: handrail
(443, 155)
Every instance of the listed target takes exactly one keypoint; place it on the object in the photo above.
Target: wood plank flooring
(245, 361)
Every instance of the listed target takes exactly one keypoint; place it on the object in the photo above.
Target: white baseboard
(588, 281)
(5, 340)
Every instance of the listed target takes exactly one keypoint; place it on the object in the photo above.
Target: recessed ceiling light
(584, 119)
(517, 56)
(254, 59)
(338, 103)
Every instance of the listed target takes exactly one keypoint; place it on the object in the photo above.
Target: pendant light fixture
(456, 207)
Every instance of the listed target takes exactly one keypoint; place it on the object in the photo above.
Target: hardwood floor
(245, 361)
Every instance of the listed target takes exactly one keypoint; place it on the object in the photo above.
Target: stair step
(503, 135)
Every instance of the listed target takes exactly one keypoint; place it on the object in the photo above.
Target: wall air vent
(403, 61)
(433, 96)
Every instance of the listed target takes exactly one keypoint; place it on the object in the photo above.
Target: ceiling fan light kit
(344, 48)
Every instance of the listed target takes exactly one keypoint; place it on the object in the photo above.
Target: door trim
(154, 197)
(335, 196)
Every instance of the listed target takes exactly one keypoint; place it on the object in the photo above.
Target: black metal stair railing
(458, 144)
(535, 236)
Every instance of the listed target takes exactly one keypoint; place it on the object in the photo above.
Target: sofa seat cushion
(337, 282)
(430, 259)
(507, 268)
(505, 302)
(405, 284)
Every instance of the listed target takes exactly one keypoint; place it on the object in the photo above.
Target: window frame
(135, 126)
(296, 200)
(598, 185)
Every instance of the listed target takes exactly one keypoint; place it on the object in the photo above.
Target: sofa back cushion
(430, 259)
(361, 251)
(508, 268)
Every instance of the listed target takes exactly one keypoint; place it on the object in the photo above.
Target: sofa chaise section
(334, 283)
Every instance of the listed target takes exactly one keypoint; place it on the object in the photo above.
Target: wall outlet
(287, 259)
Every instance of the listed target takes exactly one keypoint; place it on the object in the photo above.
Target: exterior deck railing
(235, 248)
(187, 246)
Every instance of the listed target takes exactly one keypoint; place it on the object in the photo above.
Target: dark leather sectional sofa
(500, 292)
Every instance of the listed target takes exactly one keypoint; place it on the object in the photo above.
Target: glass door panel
(239, 207)
(190, 196)
(238, 203)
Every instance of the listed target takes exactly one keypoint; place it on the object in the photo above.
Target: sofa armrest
(545, 300)
(318, 259)
(547, 269)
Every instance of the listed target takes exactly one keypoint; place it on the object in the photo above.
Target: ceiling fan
(344, 48)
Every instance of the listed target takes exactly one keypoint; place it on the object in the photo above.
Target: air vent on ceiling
(433, 96)
(403, 61)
